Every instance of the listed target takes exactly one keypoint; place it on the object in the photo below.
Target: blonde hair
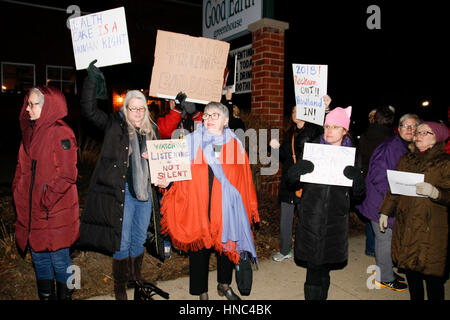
(146, 125)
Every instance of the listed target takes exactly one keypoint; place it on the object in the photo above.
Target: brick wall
(268, 79)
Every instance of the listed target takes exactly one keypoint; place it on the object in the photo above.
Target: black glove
(96, 76)
(353, 173)
(179, 101)
(301, 167)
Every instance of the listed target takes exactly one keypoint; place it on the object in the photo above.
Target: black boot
(63, 292)
(135, 266)
(325, 287)
(313, 292)
(121, 273)
(46, 289)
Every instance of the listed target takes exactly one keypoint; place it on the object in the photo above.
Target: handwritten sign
(169, 160)
(310, 85)
(102, 36)
(329, 163)
(404, 183)
(194, 65)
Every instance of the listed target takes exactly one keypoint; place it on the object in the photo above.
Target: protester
(44, 190)
(420, 234)
(235, 122)
(289, 194)
(321, 240)
(379, 130)
(120, 198)
(386, 157)
(213, 211)
(182, 115)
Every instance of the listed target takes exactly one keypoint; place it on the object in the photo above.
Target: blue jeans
(48, 265)
(136, 219)
(370, 239)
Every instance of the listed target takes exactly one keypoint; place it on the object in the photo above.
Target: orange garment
(185, 205)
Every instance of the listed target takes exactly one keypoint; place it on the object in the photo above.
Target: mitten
(96, 76)
(301, 167)
(427, 189)
(353, 173)
(189, 107)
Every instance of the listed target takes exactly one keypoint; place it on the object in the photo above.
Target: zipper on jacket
(46, 210)
(30, 197)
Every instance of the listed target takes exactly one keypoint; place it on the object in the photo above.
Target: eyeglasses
(213, 116)
(32, 104)
(137, 109)
(424, 133)
(408, 126)
(328, 127)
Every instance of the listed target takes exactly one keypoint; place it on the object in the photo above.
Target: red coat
(44, 189)
(169, 123)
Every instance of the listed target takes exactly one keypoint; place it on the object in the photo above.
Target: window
(17, 77)
(64, 78)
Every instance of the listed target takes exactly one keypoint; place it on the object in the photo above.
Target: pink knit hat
(339, 116)
(440, 130)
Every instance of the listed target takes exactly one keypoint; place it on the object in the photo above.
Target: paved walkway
(284, 281)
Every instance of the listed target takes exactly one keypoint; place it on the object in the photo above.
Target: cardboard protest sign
(404, 183)
(329, 163)
(310, 85)
(243, 76)
(193, 65)
(102, 36)
(169, 160)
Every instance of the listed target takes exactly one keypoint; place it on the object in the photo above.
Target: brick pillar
(268, 79)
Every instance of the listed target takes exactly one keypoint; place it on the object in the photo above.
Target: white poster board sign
(310, 85)
(329, 163)
(404, 183)
(102, 36)
(169, 160)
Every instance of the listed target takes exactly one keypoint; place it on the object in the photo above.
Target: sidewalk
(284, 281)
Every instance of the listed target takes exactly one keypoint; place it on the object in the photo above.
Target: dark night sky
(401, 64)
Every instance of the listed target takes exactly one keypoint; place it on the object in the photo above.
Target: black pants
(199, 270)
(434, 286)
(315, 274)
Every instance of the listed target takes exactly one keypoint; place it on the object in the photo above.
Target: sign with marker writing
(404, 183)
(169, 160)
(102, 36)
(310, 85)
(329, 163)
(194, 65)
(243, 69)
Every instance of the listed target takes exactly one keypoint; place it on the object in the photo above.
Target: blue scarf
(235, 224)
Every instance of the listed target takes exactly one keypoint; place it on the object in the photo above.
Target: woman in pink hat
(420, 232)
(321, 240)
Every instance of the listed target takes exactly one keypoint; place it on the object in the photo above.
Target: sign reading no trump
(193, 65)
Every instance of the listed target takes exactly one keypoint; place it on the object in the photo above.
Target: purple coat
(384, 157)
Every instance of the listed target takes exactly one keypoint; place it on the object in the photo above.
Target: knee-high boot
(121, 273)
(46, 289)
(135, 265)
(63, 292)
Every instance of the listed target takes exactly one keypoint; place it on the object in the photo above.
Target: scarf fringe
(228, 249)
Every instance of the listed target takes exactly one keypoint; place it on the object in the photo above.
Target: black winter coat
(308, 133)
(322, 231)
(101, 220)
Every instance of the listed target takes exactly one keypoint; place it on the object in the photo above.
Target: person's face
(298, 122)
(334, 134)
(424, 137)
(136, 111)
(407, 129)
(216, 125)
(34, 108)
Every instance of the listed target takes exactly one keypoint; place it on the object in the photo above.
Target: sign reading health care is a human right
(102, 36)
(310, 85)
